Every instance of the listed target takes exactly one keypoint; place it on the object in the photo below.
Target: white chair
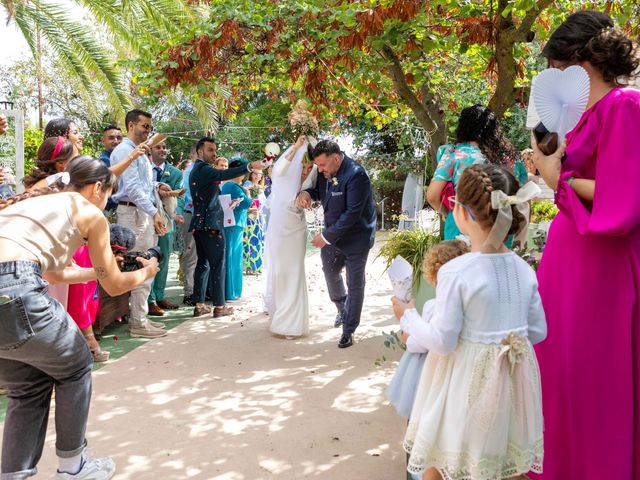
(429, 220)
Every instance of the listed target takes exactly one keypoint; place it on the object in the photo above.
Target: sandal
(97, 353)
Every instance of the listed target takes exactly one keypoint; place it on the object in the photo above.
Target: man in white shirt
(137, 211)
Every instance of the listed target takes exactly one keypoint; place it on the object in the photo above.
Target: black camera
(130, 264)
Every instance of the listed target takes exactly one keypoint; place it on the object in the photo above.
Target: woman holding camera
(40, 346)
(589, 276)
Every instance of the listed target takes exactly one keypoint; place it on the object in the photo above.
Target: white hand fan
(561, 97)
(532, 115)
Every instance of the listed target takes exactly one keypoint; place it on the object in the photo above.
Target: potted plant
(542, 214)
(412, 245)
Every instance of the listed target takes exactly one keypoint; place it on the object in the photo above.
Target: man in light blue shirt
(137, 211)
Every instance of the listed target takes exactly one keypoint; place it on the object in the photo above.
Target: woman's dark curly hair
(592, 37)
(479, 124)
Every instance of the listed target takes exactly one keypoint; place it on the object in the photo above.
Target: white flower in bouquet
(302, 120)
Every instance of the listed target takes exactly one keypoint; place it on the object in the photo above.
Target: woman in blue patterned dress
(479, 139)
(233, 234)
(254, 232)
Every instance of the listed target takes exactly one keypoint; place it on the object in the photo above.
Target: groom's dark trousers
(350, 224)
(333, 261)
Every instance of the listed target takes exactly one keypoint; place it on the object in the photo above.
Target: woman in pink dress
(83, 305)
(590, 272)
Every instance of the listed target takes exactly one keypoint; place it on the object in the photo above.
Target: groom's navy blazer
(349, 208)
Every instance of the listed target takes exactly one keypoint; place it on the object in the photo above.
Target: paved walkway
(224, 399)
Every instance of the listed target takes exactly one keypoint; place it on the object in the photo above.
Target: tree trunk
(507, 36)
(429, 112)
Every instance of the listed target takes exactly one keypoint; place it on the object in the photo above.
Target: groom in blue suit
(345, 191)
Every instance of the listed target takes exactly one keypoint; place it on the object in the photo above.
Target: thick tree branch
(529, 19)
(428, 113)
(506, 38)
(404, 90)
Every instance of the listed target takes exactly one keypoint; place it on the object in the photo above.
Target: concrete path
(224, 399)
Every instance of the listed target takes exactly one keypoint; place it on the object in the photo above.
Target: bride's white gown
(286, 241)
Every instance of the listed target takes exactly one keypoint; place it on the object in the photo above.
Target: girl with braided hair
(53, 155)
(479, 139)
(590, 271)
(40, 346)
(478, 409)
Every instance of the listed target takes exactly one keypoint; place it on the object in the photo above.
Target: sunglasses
(453, 201)
(146, 126)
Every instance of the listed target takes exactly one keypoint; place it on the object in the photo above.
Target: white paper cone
(401, 273)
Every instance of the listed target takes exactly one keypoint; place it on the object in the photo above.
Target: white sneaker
(155, 324)
(146, 330)
(92, 469)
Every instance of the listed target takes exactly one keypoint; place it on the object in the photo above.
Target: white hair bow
(502, 202)
(62, 177)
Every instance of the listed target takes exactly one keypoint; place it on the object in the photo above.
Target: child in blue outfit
(402, 389)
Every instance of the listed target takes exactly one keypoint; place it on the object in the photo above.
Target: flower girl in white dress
(478, 410)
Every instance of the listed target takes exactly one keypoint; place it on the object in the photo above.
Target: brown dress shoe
(201, 310)
(167, 305)
(222, 311)
(155, 310)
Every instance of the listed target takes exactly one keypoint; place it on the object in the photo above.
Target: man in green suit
(164, 172)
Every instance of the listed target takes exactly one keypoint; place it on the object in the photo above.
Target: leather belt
(127, 204)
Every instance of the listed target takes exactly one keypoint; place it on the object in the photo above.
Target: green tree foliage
(378, 59)
(88, 63)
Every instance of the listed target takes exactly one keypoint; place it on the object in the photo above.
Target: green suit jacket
(173, 177)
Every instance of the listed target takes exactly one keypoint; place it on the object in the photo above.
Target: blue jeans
(40, 347)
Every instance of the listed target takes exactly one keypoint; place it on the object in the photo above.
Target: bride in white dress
(286, 242)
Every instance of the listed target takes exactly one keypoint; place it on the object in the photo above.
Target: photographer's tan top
(45, 226)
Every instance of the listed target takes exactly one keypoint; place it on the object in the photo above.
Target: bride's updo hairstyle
(592, 37)
(474, 191)
(83, 170)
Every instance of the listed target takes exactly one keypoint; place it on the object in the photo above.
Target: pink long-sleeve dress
(83, 297)
(590, 285)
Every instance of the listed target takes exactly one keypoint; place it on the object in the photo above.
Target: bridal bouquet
(302, 120)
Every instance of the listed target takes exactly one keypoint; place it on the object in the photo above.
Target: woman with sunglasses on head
(40, 347)
(479, 139)
(590, 272)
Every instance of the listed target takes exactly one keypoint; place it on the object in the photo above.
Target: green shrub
(412, 245)
(543, 212)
